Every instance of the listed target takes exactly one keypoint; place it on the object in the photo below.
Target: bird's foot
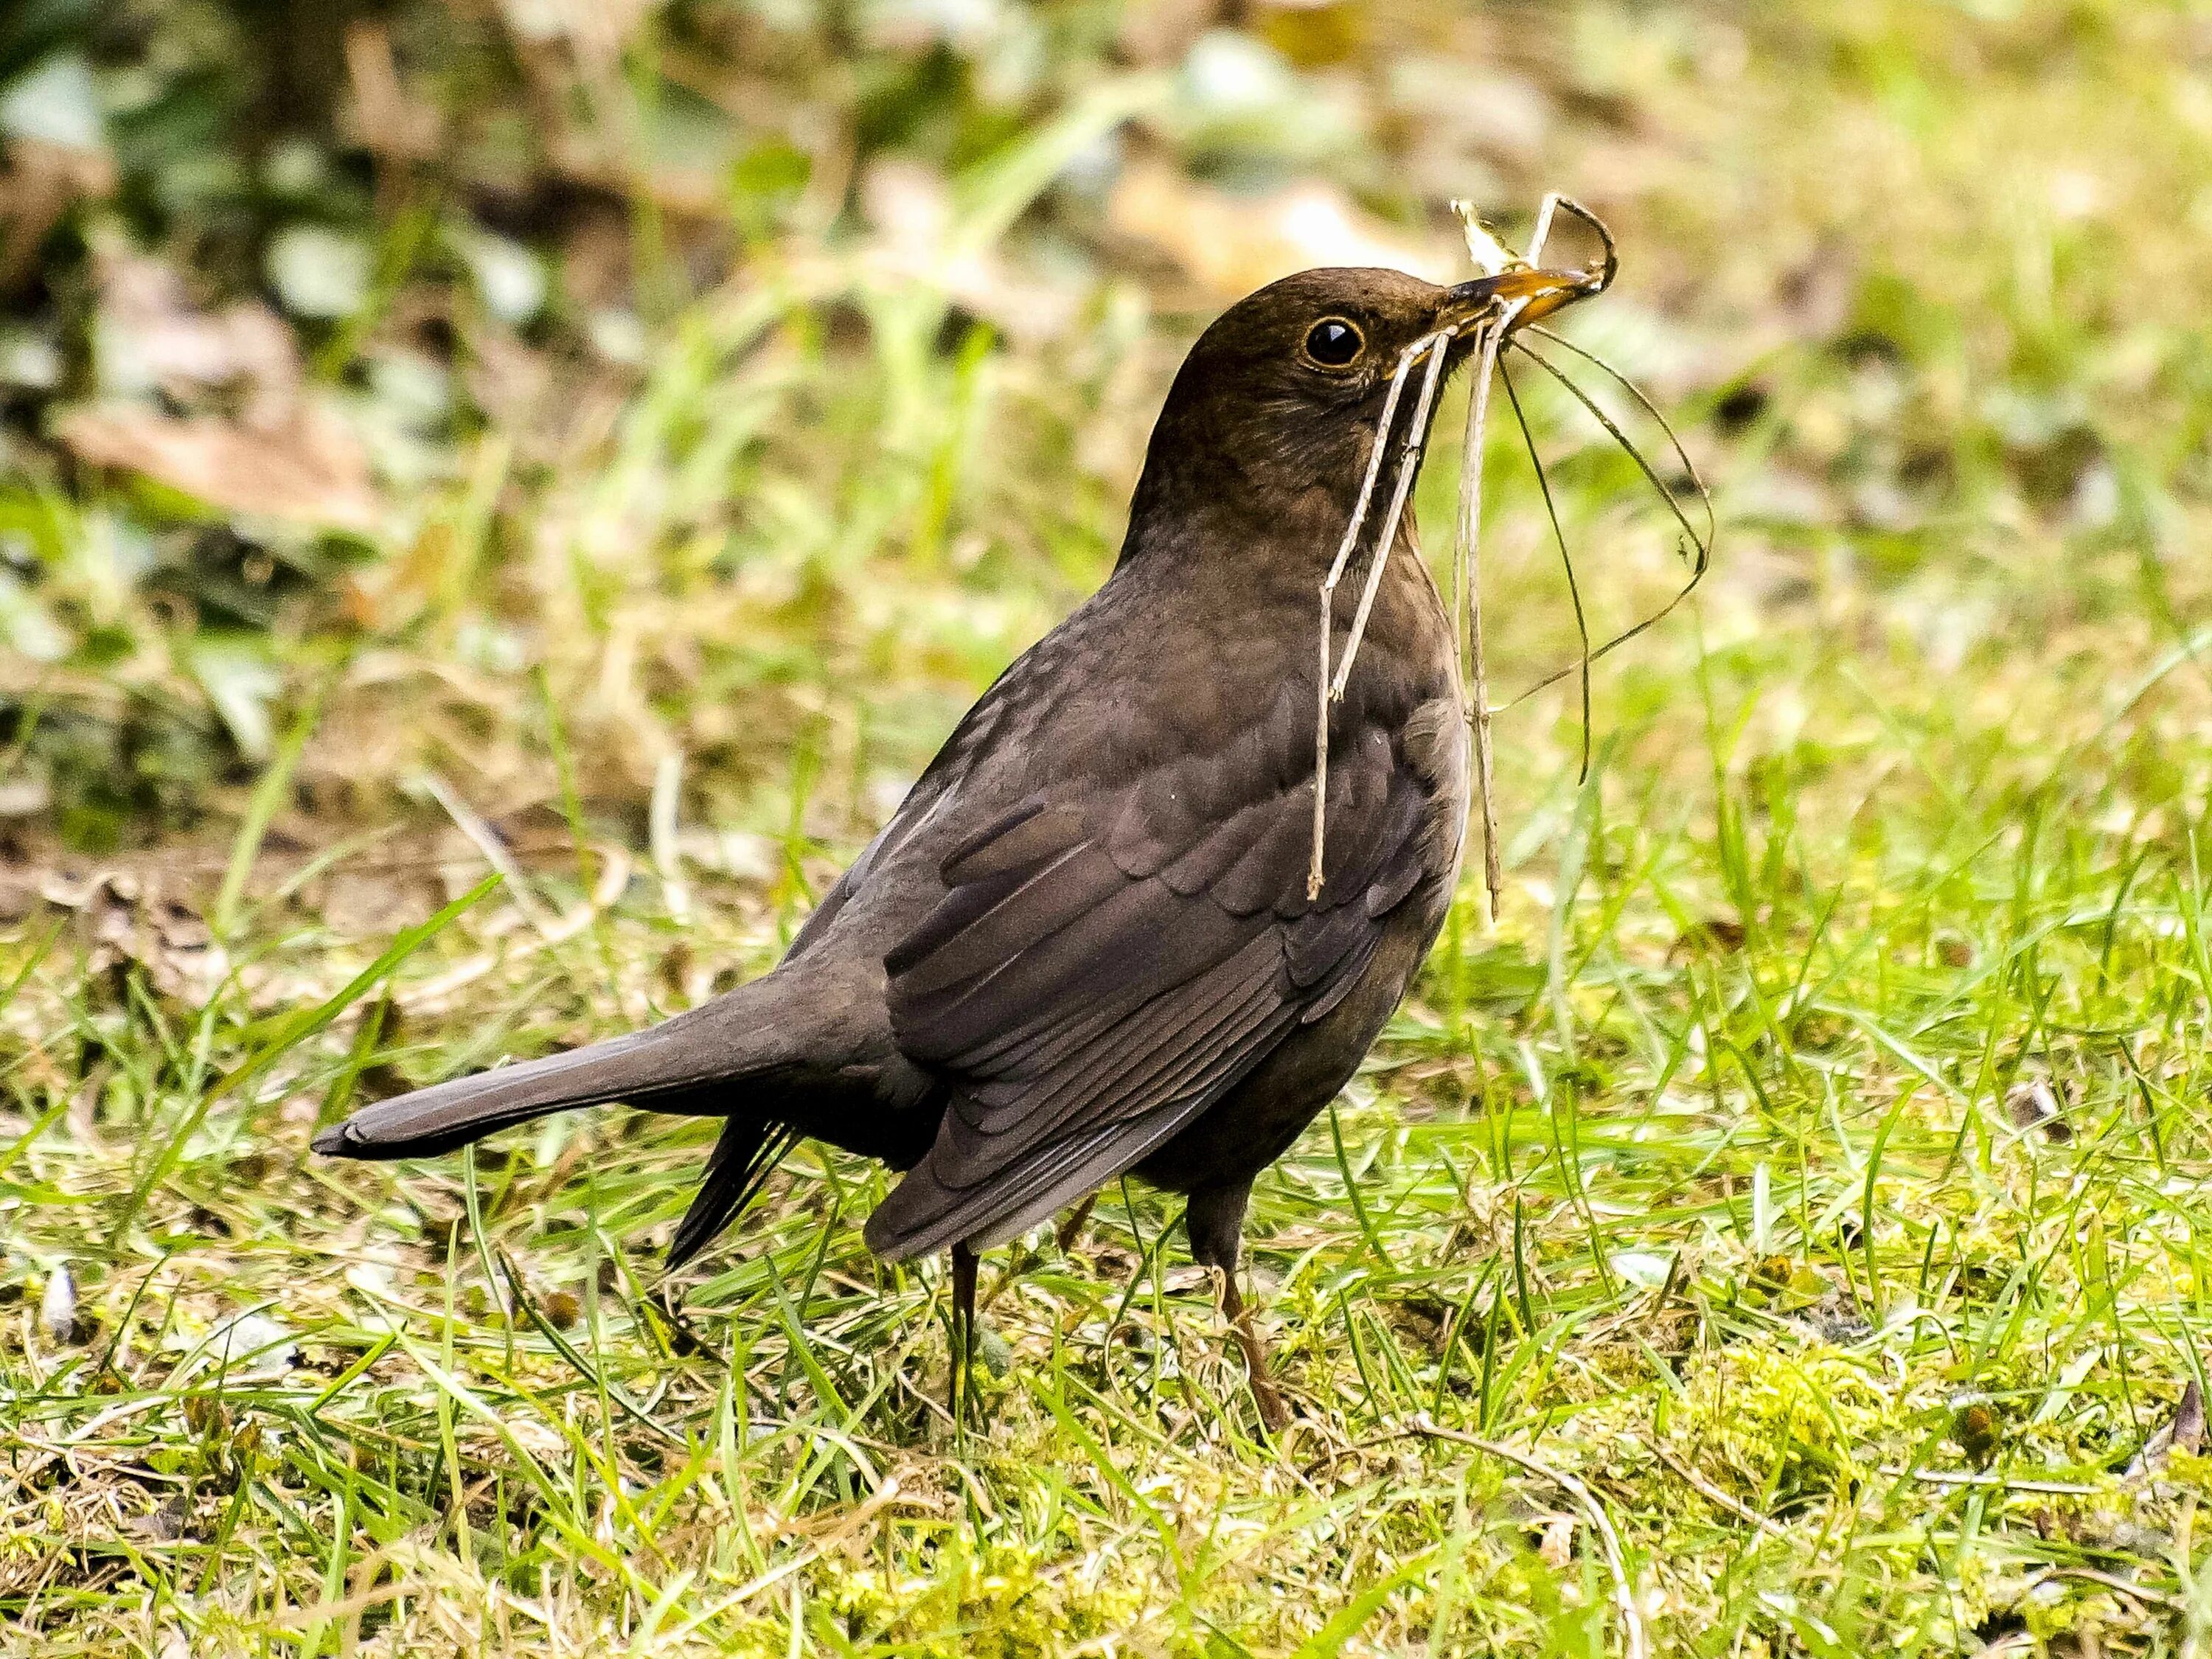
(1274, 1410)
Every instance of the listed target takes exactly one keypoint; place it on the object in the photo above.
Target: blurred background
(745, 381)
(607, 443)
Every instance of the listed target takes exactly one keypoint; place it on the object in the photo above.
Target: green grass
(1708, 1184)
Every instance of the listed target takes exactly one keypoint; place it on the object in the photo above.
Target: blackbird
(1086, 945)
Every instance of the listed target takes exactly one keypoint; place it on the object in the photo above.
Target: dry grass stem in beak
(1512, 293)
(1409, 463)
(1467, 602)
(1375, 455)
(1698, 545)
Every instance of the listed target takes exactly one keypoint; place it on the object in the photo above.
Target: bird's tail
(685, 1064)
(749, 1149)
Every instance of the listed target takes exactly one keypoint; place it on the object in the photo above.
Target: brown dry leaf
(388, 120)
(278, 456)
(1233, 244)
(153, 337)
(126, 922)
(38, 183)
(311, 469)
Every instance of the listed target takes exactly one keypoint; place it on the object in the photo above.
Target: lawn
(1781, 1231)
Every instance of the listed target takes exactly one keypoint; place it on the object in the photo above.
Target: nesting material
(1492, 332)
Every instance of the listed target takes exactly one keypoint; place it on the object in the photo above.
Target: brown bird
(1086, 945)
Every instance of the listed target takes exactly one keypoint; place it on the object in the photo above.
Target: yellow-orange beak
(1540, 292)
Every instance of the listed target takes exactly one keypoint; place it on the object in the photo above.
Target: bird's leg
(1072, 1229)
(963, 1328)
(1273, 1413)
(1215, 1223)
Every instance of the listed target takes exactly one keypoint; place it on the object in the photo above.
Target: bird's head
(1277, 403)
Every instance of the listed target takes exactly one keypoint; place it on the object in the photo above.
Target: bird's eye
(1333, 342)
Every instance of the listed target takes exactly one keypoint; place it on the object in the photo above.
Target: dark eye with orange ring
(1335, 343)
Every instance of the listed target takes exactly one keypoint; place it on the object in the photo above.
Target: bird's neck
(1266, 491)
(1216, 585)
(1220, 538)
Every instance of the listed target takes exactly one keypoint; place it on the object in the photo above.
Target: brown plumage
(1083, 946)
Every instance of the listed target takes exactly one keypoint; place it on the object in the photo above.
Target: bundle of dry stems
(1525, 291)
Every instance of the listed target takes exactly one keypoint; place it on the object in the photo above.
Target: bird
(1086, 945)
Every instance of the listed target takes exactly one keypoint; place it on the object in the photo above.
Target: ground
(1780, 1232)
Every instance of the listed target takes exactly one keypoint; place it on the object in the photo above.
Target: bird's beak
(1541, 293)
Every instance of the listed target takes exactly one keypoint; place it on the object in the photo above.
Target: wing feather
(1098, 975)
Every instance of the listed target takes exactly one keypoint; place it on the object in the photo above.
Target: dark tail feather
(750, 1147)
(670, 1066)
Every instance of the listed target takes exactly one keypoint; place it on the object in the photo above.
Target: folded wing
(1102, 969)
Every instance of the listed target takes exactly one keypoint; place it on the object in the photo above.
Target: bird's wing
(1103, 968)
